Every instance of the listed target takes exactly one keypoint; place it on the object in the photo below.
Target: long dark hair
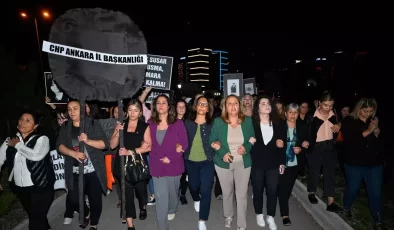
(208, 118)
(274, 115)
(171, 118)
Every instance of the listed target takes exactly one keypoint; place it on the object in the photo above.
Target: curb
(57, 208)
(327, 220)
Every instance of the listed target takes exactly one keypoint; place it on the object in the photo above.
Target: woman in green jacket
(232, 137)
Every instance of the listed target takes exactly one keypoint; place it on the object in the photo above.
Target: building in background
(220, 65)
(182, 70)
(198, 67)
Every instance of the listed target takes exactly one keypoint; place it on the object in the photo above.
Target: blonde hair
(251, 98)
(362, 104)
(224, 116)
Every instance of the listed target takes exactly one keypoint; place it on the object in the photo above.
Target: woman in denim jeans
(198, 159)
(362, 157)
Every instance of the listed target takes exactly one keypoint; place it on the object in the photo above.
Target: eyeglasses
(203, 104)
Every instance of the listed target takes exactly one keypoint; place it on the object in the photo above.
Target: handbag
(135, 169)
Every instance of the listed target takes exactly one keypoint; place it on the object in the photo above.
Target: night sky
(275, 39)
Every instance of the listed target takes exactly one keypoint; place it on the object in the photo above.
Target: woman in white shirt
(32, 176)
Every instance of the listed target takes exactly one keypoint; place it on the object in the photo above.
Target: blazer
(219, 133)
(176, 133)
(302, 133)
(268, 156)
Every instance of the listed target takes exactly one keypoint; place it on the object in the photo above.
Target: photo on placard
(53, 92)
(233, 87)
(233, 84)
(250, 86)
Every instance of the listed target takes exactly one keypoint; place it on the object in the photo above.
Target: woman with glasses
(199, 159)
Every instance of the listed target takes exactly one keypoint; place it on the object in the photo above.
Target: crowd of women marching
(239, 141)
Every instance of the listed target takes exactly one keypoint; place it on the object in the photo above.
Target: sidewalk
(187, 218)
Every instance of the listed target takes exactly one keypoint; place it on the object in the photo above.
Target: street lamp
(44, 14)
(179, 86)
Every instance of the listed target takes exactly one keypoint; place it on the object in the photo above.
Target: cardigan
(176, 133)
(219, 133)
(94, 132)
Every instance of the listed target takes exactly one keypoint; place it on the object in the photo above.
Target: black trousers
(286, 184)
(93, 190)
(184, 184)
(323, 154)
(36, 203)
(267, 179)
(141, 192)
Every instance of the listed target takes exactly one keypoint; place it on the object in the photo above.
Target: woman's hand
(280, 143)
(165, 160)
(125, 152)
(335, 128)
(216, 145)
(241, 150)
(228, 158)
(178, 148)
(305, 144)
(83, 138)
(78, 156)
(281, 169)
(119, 126)
(296, 150)
(13, 141)
(252, 140)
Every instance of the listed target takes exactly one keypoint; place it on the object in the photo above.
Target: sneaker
(239, 228)
(271, 223)
(260, 220)
(201, 225)
(151, 201)
(197, 206)
(228, 221)
(67, 221)
(171, 216)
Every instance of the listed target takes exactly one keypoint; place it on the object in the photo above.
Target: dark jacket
(315, 125)
(302, 134)
(268, 156)
(205, 130)
(360, 150)
(94, 132)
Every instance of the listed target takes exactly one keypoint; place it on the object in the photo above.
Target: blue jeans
(373, 177)
(151, 188)
(201, 176)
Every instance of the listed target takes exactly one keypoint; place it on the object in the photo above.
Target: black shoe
(183, 200)
(85, 223)
(348, 214)
(380, 226)
(93, 228)
(143, 214)
(334, 208)
(131, 228)
(286, 221)
(312, 198)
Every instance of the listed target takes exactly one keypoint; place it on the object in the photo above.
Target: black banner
(156, 92)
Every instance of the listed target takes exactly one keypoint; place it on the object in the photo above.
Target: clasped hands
(297, 150)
